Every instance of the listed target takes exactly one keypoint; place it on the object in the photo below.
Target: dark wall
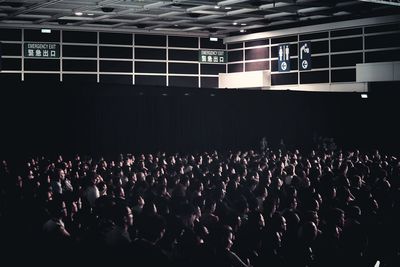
(46, 118)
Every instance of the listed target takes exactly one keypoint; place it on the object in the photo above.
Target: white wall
(378, 72)
(249, 79)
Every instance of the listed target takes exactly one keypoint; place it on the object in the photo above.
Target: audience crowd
(245, 208)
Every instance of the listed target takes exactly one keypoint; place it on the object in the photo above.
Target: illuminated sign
(305, 56)
(284, 58)
(212, 56)
(42, 50)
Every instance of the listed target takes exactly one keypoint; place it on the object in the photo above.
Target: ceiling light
(242, 30)
(216, 7)
(213, 39)
(228, 8)
(364, 95)
(235, 23)
(78, 13)
(90, 14)
(243, 24)
(46, 31)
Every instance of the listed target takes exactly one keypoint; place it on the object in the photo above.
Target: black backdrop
(50, 118)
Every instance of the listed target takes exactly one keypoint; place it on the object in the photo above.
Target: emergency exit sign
(212, 56)
(42, 50)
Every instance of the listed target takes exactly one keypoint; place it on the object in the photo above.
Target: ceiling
(189, 17)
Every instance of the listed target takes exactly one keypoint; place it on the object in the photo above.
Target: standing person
(54, 228)
(222, 241)
(263, 144)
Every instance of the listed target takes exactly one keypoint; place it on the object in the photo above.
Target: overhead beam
(385, 2)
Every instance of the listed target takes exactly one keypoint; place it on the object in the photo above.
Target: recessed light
(213, 39)
(243, 24)
(364, 95)
(216, 7)
(90, 14)
(235, 23)
(228, 8)
(78, 13)
(45, 30)
(242, 30)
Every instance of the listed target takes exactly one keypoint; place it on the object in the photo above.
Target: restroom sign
(305, 56)
(284, 58)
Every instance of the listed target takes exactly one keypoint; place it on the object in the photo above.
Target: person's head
(329, 193)
(150, 180)
(292, 220)
(138, 204)
(223, 237)
(292, 202)
(274, 242)
(261, 193)
(355, 181)
(308, 232)
(210, 205)
(102, 186)
(149, 209)
(336, 217)
(353, 213)
(198, 186)
(60, 174)
(58, 208)
(201, 232)
(219, 193)
(153, 228)
(256, 220)
(123, 215)
(278, 223)
(269, 206)
(276, 183)
(119, 192)
(311, 216)
(290, 169)
(188, 215)
(140, 177)
(47, 193)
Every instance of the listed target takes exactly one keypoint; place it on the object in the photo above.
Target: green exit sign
(212, 56)
(42, 50)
